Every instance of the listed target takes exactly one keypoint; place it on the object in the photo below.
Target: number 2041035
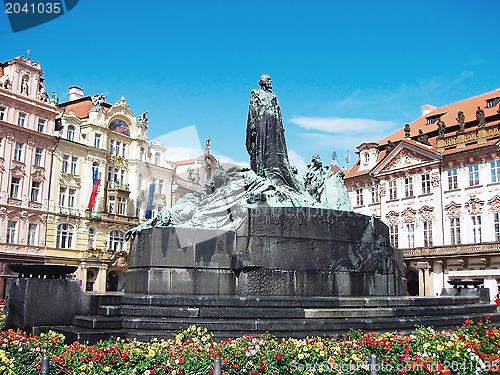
(38, 8)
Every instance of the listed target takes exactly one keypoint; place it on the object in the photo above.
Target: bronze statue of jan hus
(265, 137)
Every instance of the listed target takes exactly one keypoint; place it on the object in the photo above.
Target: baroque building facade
(436, 184)
(27, 144)
(107, 176)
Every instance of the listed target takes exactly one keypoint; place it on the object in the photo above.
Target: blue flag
(149, 206)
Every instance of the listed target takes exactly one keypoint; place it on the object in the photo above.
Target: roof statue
(207, 146)
(422, 138)
(461, 121)
(441, 128)
(98, 101)
(224, 201)
(390, 146)
(481, 122)
(143, 119)
(407, 131)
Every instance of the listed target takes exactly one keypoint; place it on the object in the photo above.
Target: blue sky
(344, 72)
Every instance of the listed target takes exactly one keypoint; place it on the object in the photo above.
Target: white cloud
(338, 125)
(297, 161)
(179, 153)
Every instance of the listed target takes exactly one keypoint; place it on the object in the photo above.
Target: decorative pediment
(474, 206)
(392, 217)
(453, 209)
(17, 169)
(409, 215)
(494, 204)
(68, 179)
(426, 212)
(38, 174)
(405, 156)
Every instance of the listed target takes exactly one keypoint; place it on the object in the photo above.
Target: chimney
(75, 93)
(427, 108)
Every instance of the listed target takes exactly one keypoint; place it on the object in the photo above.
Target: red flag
(94, 193)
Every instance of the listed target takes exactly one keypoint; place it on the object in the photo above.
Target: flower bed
(471, 348)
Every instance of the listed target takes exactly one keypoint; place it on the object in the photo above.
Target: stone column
(100, 281)
(423, 278)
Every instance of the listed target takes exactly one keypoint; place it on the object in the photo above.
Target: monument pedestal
(277, 251)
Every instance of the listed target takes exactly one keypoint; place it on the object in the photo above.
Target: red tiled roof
(449, 116)
(184, 162)
(81, 107)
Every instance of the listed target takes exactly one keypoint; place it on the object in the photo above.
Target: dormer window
(70, 135)
(366, 158)
(490, 103)
(432, 120)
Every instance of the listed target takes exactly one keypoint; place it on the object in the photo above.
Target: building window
(492, 102)
(118, 147)
(116, 240)
(411, 235)
(495, 171)
(393, 190)
(426, 183)
(122, 176)
(2, 113)
(71, 198)
(63, 191)
(476, 228)
(359, 197)
(41, 125)
(21, 119)
(455, 230)
(409, 187)
(496, 225)
(64, 236)
(452, 179)
(91, 238)
(124, 149)
(375, 193)
(157, 158)
(97, 140)
(74, 161)
(473, 175)
(428, 233)
(70, 134)
(65, 163)
(122, 206)
(11, 231)
(32, 234)
(112, 146)
(160, 186)
(38, 156)
(141, 155)
(111, 206)
(15, 184)
(35, 191)
(18, 152)
(394, 236)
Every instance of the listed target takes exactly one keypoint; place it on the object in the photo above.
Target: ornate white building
(436, 184)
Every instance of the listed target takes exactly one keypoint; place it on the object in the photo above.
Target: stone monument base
(277, 251)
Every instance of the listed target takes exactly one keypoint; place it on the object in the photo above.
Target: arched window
(91, 238)
(70, 135)
(116, 240)
(64, 239)
(157, 158)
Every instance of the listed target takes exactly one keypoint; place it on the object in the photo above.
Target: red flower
(279, 357)
(467, 321)
(263, 366)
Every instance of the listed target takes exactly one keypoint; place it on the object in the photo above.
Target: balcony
(115, 185)
(69, 211)
(485, 248)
